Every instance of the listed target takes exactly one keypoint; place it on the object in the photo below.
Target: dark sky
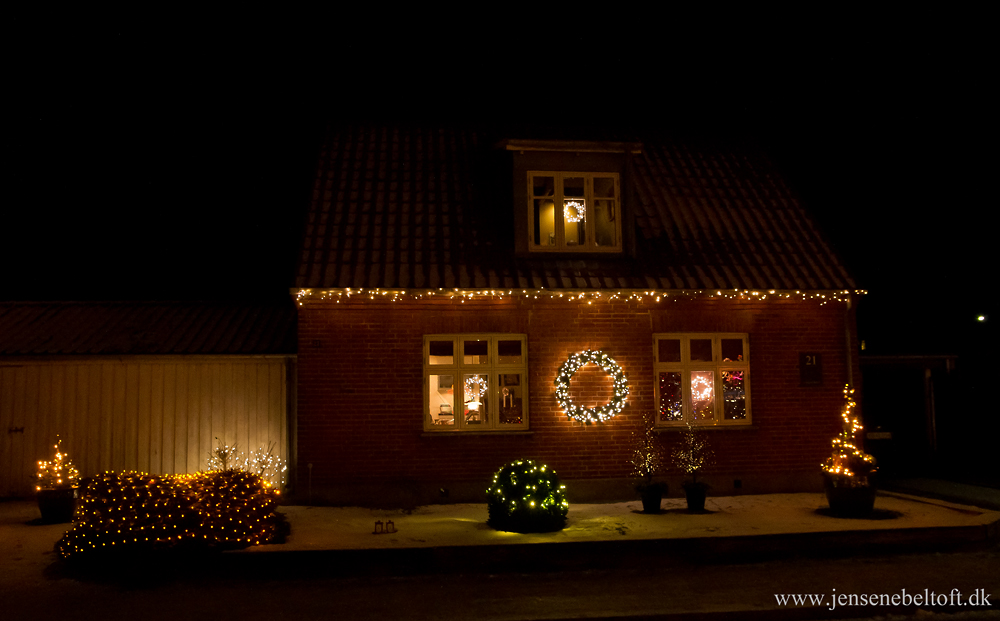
(167, 161)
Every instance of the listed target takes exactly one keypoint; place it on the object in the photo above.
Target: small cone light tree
(849, 465)
(60, 473)
(847, 473)
(55, 487)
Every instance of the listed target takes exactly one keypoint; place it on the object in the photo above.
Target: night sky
(174, 162)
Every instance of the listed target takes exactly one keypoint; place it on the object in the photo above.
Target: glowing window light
(702, 393)
(575, 210)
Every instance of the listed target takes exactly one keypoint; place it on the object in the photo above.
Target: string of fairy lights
(589, 296)
(229, 508)
(848, 462)
(57, 473)
(526, 495)
(575, 211)
(584, 414)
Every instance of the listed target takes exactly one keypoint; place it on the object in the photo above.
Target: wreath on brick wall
(584, 414)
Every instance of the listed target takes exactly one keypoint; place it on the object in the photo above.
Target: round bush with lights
(585, 414)
(527, 497)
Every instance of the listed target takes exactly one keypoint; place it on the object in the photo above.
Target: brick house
(441, 288)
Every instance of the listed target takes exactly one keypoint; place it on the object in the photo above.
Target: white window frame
(717, 365)
(491, 369)
(558, 197)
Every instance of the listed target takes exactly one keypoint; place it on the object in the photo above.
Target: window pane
(604, 187)
(575, 221)
(702, 395)
(670, 397)
(735, 395)
(701, 350)
(442, 399)
(441, 352)
(475, 400)
(511, 399)
(545, 222)
(732, 349)
(509, 352)
(604, 222)
(475, 352)
(668, 350)
(543, 186)
(573, 186)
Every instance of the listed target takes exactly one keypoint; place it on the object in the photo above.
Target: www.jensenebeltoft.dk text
(903, 598)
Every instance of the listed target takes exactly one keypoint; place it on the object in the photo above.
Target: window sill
(572, 250)
(441, 434)
(680, 428)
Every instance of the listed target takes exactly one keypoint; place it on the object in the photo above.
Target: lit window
(703, 378)
(475, 382)
(573, 212)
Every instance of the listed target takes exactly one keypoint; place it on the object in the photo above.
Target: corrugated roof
(130, 328)
(405, 208)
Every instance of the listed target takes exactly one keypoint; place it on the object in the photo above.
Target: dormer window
(574, 212)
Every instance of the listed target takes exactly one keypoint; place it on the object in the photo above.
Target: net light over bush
(526, 497)
(227, 507)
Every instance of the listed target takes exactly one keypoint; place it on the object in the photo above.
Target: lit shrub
(137, 512)
(236, 508)
(526, 497)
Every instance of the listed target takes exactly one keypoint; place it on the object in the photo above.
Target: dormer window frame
(580, 200)
(566, 157)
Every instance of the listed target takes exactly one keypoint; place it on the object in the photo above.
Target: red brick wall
(360, 397)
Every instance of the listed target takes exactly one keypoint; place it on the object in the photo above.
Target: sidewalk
(737, 528)
(449, 538)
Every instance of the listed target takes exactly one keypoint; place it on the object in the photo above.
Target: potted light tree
(848, 474)
(647, 461)
(55, 487)
(692, 456)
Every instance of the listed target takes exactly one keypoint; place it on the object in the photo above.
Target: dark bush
(526, 497)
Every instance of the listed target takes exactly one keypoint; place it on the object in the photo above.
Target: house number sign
(585, 414)
(810, 369)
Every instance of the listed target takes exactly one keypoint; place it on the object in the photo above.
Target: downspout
(847, 336)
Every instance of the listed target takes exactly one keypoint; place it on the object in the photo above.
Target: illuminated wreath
(574, 211)
(474, 384)
(590, 415)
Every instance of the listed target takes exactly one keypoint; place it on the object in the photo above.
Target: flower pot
(695, 493)
(57, 505)
(651, 498)
(847, 498)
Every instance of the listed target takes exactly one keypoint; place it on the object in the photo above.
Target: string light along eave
(588, 296)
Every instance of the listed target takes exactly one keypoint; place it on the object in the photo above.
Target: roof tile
(148, 328)
(397, 208)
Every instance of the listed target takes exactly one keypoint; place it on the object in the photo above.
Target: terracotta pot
(57, 505)
(848, 500)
